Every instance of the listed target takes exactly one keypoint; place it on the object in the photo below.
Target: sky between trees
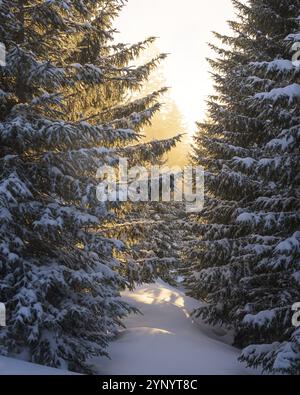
(183, 32)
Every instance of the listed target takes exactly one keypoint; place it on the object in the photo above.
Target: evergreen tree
(245, 260)
(64, 114)
(153, 235)
(148, 228)
(152, 229)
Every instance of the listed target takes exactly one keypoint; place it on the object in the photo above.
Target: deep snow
(165, 341)
(162, 341)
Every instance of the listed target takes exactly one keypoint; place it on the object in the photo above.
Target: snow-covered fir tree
(151, 230)
(153, 236)
(245, 261)
(63, 114)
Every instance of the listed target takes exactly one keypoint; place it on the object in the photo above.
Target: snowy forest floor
(162, 341)
(165, 340)
(10, 366)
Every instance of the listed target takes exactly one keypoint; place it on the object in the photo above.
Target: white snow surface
(165, 340)
(10, 366)
(162, 341)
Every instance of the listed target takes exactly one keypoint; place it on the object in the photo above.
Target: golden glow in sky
(184, 29)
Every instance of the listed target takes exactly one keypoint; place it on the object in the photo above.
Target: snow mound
(165, 341)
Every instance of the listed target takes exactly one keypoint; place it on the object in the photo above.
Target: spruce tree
(63, 115)
(244, 262)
